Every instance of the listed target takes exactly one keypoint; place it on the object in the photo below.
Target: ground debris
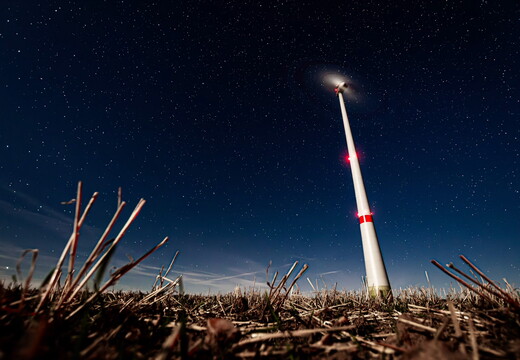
(343, 325)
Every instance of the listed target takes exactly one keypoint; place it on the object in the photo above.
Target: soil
(416, 324)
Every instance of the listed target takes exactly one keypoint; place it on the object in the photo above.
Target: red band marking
(365, 218)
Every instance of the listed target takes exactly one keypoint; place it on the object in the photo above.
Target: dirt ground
(416, 324)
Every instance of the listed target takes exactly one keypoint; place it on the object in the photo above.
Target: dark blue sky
(214, 113)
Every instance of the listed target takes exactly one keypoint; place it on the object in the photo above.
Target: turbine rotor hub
(341, 87)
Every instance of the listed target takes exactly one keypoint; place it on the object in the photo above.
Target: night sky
(215, 113)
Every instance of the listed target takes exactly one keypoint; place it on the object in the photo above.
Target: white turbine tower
(376, 276)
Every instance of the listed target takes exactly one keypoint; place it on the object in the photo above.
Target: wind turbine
(376, 276)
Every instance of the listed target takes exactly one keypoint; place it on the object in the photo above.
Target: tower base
(379, 292)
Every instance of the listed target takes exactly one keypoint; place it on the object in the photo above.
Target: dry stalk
(483, 286)
(473, 340)
(75, 236)
(417, 325)
(291, 334)
(158, 278)
(117, 275)
(456, 325)
(94, 254)
(297, 277)
(282, 282)
(56, 274)
(461, 281)
(30, 275)
(171, 264)
(515, 303)
(158, 291)
(384, 349)
(271, 285)
(118, 238)
(126, 304)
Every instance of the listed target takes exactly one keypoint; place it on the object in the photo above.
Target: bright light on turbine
(334, 79)
(347, 86)
(347, 158)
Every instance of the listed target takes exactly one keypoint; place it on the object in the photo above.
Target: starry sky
(215, 113)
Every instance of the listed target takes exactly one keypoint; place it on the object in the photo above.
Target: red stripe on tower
(365, 218)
